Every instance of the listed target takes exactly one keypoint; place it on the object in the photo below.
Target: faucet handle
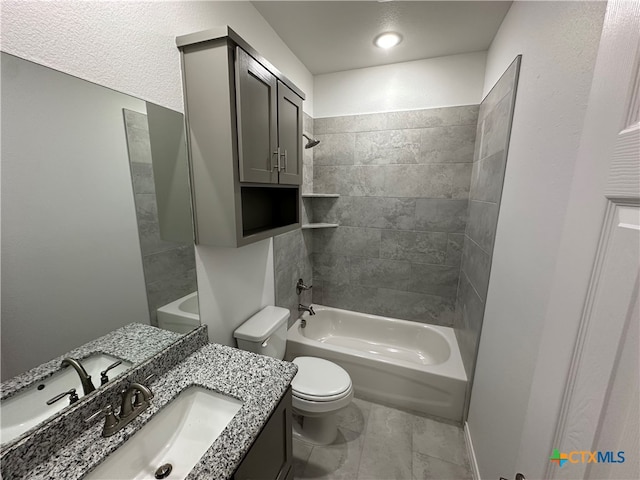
(300, 286)
(110, 418)
(73, 397)
(103, 374)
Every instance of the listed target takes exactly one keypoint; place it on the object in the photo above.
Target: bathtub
(181, 315)
(396, 362)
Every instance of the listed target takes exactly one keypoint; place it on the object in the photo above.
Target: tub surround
(35, 447)
(489, 164)
(403, 179)
(169, 266)
(260, 382)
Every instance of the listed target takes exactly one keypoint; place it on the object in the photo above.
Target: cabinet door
(289, 135)
(271, 455)
(256, 98)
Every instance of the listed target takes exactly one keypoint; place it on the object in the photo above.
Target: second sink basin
(178, 435)
(28, 407)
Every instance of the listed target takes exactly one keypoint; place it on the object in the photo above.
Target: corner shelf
(307, 226)
(320, 195)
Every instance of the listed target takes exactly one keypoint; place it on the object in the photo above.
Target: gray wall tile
(348, 241)
(292, 260)
(468, 114)
(376, 272)
(441, 215)
(428, 181)
(415, 247)
(169, 267)
(358, 180)
(471, 313)
(402, 211)
(481, 228)
(494, 125)
(496, 128)
(453, 144)
(455, 242)
(165, 264)
(373, 212)
(434, 279)
(335, 149)
(504, 86)
(419, 307)
(487, 178)
(350, 297)
(330, 268)
(142, 177)
(476, 263)
(388, 147)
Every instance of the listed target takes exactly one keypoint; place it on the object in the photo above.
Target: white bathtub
(404, 364)
(181, 315)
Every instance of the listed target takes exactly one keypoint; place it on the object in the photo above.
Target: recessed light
(387, 40)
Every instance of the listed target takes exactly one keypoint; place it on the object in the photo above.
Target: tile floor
(376, 442)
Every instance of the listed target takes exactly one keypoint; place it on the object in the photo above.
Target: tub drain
(164, 471)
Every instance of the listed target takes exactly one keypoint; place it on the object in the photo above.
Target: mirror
(96, 216)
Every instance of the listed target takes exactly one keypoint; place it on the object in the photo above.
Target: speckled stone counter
(19, 457)
(135, 343)
(260, 382)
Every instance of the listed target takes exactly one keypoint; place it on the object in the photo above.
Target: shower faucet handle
(300, 286)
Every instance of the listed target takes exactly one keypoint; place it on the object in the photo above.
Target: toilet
(320, 388)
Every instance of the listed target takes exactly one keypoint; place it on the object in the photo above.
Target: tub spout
(304, 308)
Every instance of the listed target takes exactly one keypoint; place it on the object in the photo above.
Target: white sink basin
(179, 434)
(29, 407)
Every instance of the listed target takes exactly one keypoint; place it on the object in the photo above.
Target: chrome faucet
(135, 400)
(85, 378)
(300, 286)
(304, 308)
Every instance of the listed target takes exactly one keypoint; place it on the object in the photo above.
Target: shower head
(311, 143)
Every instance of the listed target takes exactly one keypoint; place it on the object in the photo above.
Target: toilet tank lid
(262, 324)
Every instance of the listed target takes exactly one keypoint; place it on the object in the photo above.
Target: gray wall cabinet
(244, 124)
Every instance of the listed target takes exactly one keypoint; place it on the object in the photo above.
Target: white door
(600, 410)
(582, 393)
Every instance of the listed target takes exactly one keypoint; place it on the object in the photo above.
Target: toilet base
(321, 430)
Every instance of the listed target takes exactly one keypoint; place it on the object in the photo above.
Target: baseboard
(471, 452)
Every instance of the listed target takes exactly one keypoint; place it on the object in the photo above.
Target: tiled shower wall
(403, 180)
(169, 267)
(292, 250)
(494, 128)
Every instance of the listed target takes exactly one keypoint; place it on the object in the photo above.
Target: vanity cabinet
(271, 455)
(244, 136)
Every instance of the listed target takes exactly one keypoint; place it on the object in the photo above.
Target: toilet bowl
(320, 388)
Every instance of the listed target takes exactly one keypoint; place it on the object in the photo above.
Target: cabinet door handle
(284, 155)
(277, 154)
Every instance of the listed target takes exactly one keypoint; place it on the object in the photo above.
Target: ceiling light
(387, 40)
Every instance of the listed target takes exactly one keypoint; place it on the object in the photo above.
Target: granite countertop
(134, 343)
(260, 382)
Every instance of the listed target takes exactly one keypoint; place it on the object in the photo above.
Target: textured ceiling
(331, 36)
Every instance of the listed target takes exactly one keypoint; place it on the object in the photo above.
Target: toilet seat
(320, 380)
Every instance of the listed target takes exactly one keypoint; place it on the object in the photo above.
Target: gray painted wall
(169, 267)
(490, 157)
(404, 183)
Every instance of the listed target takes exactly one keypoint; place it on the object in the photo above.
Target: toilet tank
(265, 332)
